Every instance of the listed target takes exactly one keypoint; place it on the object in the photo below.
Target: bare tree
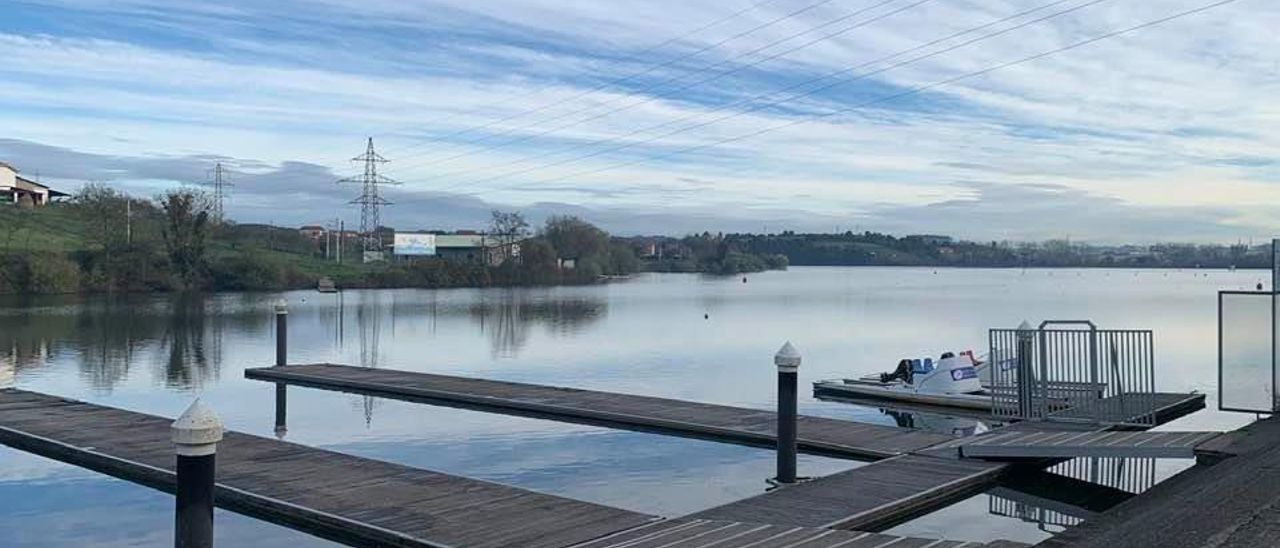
(508, 228)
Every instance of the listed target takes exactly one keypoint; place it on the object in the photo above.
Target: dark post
(195, 435)
(282, 332)
(282, 358)
(788, 361)
(1026, 381)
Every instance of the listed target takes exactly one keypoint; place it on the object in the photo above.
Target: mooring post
(282, 358)
(788, 361)
(1024, 354)
(195, 436)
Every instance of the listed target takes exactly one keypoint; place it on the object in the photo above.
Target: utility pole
(370, 201)
(342, 232)
(128, 220)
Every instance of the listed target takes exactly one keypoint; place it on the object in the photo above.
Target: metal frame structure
(1274, 298)
(1085, 374)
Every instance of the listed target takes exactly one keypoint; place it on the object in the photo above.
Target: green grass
(55, 229)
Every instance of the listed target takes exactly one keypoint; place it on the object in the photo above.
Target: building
(315, 232)
(462, 246)
(24, 192)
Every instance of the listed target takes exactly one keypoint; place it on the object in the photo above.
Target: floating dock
(1233, 503)
(337, 496)
(755, 427)
(366, 502)
(921, 471)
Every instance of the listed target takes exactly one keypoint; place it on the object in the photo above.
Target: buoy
(706, 316)
(744, 279)
(1259, 286)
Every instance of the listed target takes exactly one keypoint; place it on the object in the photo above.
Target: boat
(326, 285)
(955, 380)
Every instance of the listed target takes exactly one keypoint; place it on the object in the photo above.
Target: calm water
(645, 336)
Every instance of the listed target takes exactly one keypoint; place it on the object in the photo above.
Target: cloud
(530, 102)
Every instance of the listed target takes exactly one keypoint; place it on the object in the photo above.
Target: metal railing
(1072, 371)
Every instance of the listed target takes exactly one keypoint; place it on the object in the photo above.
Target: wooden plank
(1119, 444)
(1233, 503)
(754, 427)
(337, 496)
(702, 533)
(868, 498)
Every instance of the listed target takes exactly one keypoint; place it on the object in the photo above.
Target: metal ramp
(1048, 445)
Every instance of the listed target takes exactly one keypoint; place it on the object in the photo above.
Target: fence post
(788, 362)
(282, 358)
(1024, 353)
(195, 436)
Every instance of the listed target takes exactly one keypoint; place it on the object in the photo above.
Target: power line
(369, 199)
(908, 93)
(637, 55)
(913, 91)
(757, 106)
(633, 75)
(713, 77)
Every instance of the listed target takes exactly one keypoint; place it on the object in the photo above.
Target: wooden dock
(701, 533)
(365, 502)
(1231, 504)
(1061, 445)
(341, 497)
(739, 425)
(870, 498)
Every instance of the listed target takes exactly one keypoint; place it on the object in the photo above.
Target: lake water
(679, 336)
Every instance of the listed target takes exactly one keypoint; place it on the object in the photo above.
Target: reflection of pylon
(369, 200)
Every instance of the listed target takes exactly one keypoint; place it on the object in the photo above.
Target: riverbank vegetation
(103, 242)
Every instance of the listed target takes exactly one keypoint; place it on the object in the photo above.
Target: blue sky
(665, 116)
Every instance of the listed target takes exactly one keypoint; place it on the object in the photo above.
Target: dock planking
(1232, 503)
(333, 495)
(755, 427)
(701, 533)
(1052, 445)
(870, 498)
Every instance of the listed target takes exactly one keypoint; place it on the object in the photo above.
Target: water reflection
(1067, 494)
(506, 317)
(183, 334)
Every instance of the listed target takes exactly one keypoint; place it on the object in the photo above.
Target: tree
(574, 238)
(508, 228)
(105, 212)
(186, 226)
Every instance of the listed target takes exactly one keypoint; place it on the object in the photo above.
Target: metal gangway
(1071, 371)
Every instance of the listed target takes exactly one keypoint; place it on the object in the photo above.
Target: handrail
(1091, 325)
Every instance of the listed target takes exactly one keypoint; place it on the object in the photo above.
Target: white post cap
(198, 431)
(282, 307)
(787, 359)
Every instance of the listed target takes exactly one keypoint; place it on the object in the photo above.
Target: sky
(984, 119)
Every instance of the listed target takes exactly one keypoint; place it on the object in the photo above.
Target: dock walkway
(871, 497)
(1121, 444)
(366, 502)
(754, 427)
(1231, 504)
(341, 497)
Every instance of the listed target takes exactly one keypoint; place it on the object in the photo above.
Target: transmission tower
(219, 182)
(370, 201)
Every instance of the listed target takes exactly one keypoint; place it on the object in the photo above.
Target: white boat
(954, 381)
(960, 381)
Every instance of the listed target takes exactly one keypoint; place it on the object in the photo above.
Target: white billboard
(415, 244)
